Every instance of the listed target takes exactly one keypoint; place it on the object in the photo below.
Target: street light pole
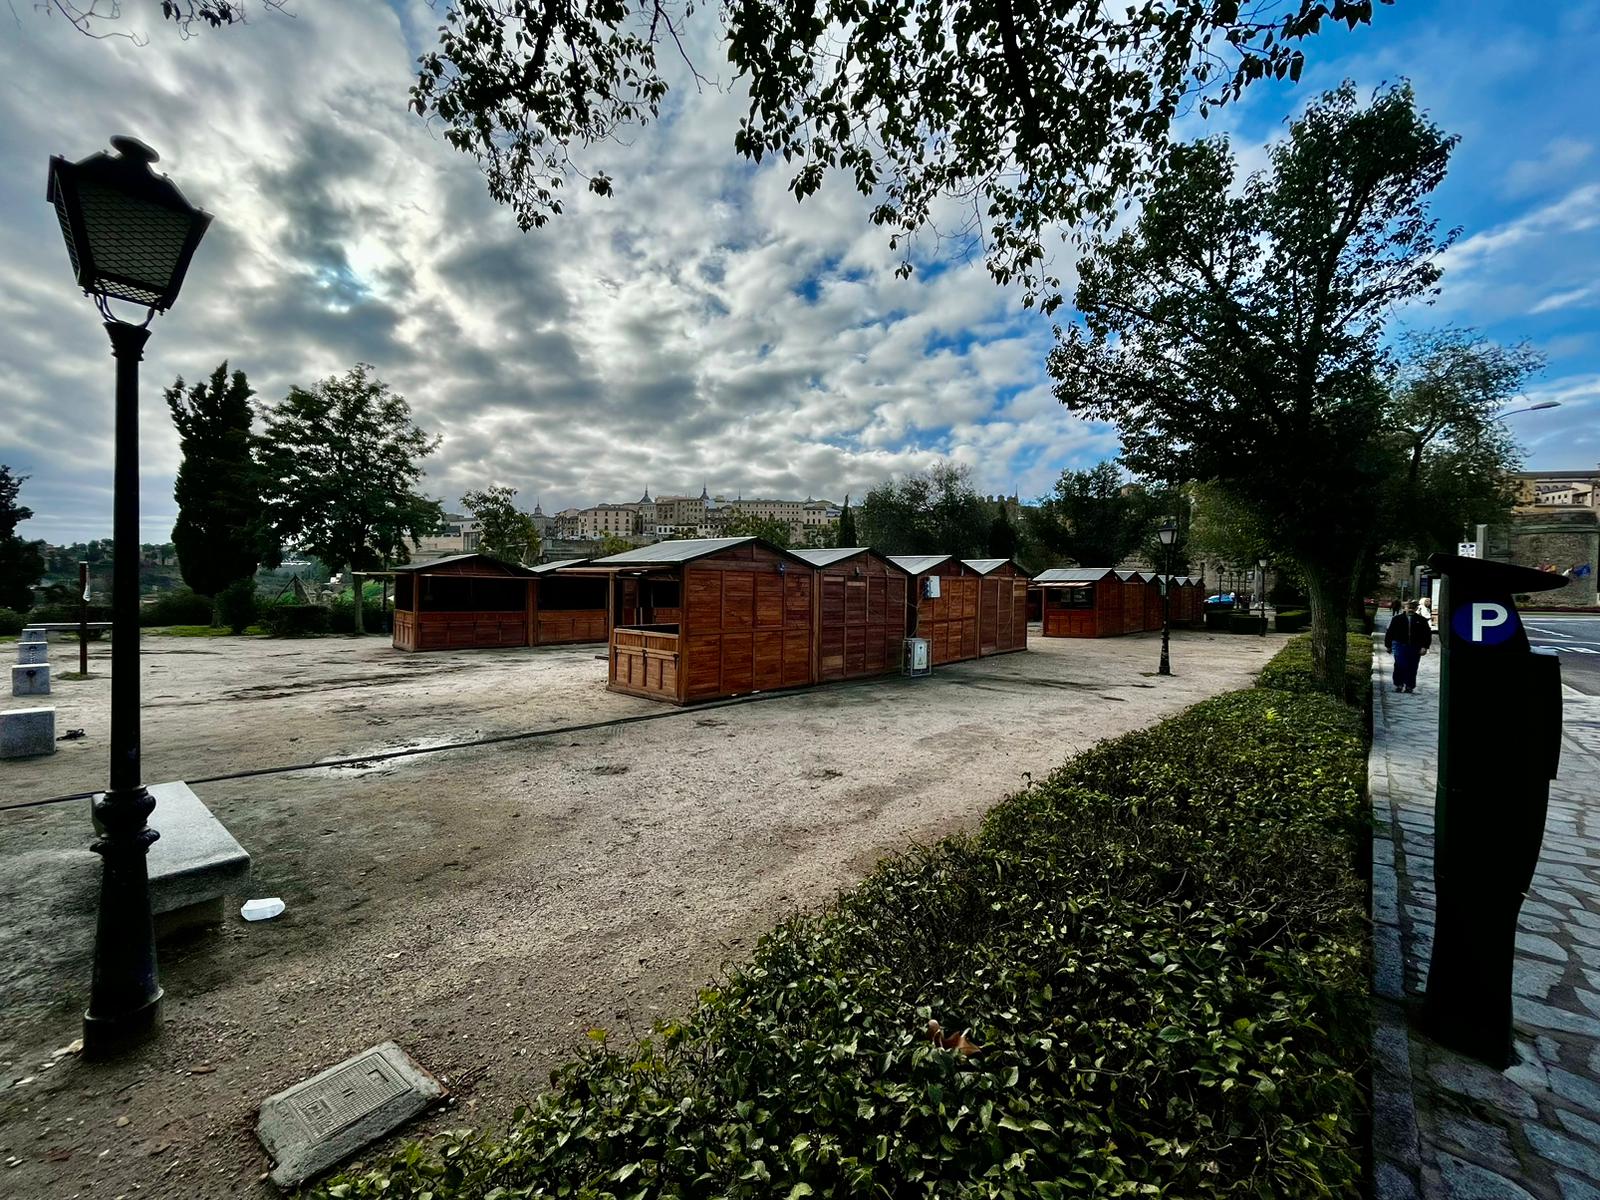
(1168, 533)
(130, 235)
(1263, 565)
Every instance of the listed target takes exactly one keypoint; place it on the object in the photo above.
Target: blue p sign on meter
(1484, 623)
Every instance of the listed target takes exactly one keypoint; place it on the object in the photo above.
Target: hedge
(11, 622)
(1291, 620)
(295, 620)
(179, 607)
(1289, 670)
(1157, 954)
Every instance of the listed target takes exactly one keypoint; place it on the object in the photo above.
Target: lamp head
(130, 233)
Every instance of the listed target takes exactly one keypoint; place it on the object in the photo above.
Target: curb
(1396, 1145)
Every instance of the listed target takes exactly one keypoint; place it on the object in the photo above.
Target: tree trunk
(355, 585)
(1329, 590)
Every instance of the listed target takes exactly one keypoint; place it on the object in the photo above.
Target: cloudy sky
(700, 326)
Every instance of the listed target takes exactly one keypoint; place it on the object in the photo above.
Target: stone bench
(31, 681)
(194, 864)
(27, 732)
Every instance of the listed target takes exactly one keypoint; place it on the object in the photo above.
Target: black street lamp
(1168, 533)
(1262, 563)
(130, 235)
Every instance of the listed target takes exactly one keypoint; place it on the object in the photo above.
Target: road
(1577, 640)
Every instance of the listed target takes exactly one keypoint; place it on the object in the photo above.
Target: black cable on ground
(386, 755)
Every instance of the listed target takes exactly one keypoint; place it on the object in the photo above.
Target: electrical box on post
(918, 659)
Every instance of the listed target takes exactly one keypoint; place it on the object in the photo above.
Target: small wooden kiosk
(1080, 601)
(708, 617)
(949, 620)
(1002, 605)
(570, 604)
(1152, 603)
(1133, 601)
(860, 612)
(465, 602)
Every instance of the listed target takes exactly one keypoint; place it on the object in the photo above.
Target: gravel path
(482, 907)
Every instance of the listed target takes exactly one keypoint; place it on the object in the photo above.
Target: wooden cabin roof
(463, 564)
(918, 564)
(1073, 575)
(551, 567)
(676, 553)
(827, 557)
(987, 566)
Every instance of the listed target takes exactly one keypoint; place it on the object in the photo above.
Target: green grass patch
(1160, 950)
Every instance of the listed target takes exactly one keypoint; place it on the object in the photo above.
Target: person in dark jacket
(1408, 639)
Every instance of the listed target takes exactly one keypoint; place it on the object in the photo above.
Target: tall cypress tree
(221, 534)
(847, 525)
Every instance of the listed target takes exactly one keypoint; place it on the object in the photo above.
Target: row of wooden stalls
(697, 619)
(1105, 602)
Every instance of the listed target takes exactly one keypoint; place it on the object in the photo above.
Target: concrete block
(313, 1125)
(31, 681)
(33, 634)
(27, 732)
(194, 863)
(32, 653)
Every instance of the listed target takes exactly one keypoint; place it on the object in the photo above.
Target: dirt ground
(482, 906)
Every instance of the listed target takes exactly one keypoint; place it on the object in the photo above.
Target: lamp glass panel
(135, 246)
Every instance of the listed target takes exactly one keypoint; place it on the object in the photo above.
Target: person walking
(1394, 607)
(1407, 639)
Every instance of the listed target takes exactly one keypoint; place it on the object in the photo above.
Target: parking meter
(1499, 746)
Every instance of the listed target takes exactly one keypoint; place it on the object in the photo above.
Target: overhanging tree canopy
(1029, 116)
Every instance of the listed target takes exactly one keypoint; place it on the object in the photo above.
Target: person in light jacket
(1408, 639)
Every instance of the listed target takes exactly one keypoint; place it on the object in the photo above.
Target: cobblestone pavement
(1446, 1126)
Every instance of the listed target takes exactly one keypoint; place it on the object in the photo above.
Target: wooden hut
(708, 617)
(1080, 602)
(949, 620)
(465, 602)
(570, 604)
(860, 602)
(1185, 601)
(1002, 605)
(1133, 601)
(1152, 602)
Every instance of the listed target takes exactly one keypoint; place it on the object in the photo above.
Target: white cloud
(699, 327)
(1570, 298)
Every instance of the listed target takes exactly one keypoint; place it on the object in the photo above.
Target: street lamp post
(1168, 533)
(1262, 563)
(130, 235)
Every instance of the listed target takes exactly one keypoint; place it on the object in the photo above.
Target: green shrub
(1289, 670)
(1159, 949)
(1242, 622)
(179, 607)
(1291, 620)
(11, 622)
(238, 605)
(295, 620)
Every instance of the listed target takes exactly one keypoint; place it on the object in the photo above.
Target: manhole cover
(313, 1125)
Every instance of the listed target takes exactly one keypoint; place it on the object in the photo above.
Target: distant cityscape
(573, 532)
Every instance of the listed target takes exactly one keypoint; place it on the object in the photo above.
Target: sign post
(1499, 747)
